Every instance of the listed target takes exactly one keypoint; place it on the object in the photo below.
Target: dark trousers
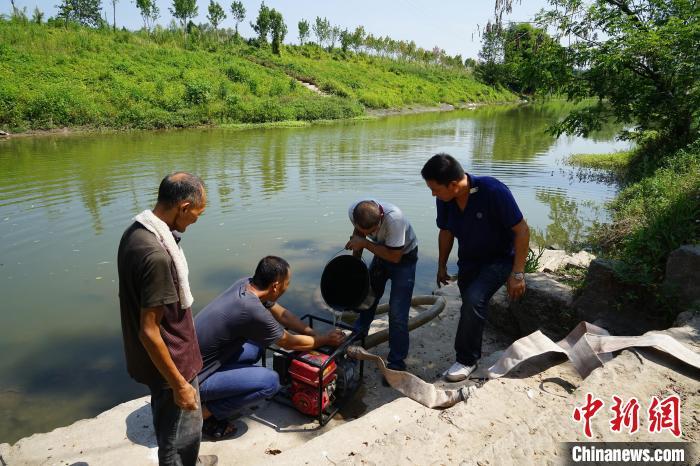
(476, 287)
(403, 277)
(178, 431)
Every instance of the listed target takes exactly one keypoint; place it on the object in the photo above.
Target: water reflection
(64, 202)
(69, 372)
(566, 227)
(247, 164)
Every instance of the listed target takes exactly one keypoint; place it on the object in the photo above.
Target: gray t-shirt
(395, 231)
(233, 317)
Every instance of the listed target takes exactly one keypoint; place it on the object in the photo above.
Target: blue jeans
(238, 382)
(403, 277)
(178, 431)
(476, 287)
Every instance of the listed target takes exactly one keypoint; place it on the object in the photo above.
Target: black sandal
(213, 429)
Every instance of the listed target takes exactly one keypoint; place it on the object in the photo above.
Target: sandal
(213, 429)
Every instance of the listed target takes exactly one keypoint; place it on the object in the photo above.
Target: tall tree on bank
(85, 12)
(345, 40)
(262, 23)
(303, 27)
(38, 15)
(358, 38)
(639, 59)
(216, 14)
(322, 30)
(533, 62)
(490, 68)
(114, 15)
(184, 10)
(278, 30)
(333, 35)
(149, 12)
(237, 13)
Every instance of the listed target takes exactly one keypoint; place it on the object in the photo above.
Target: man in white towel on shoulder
(160, 342)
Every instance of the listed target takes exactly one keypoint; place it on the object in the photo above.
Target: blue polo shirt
(483, 230)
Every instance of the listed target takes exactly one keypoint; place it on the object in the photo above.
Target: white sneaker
(458, 371)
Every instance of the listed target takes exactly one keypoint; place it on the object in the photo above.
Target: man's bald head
(181, 186)
(367, 214)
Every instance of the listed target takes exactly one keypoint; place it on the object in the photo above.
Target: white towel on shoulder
(159, 228)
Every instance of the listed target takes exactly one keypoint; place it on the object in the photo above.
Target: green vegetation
(523, 58)
(237, 13)
(85, 12)
(614, 161)
(532, 261)
(378, 82)
(639, 59)
(53, 75)
(657, 211)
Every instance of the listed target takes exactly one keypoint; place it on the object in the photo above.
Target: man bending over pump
(233, 331)
(384, 230)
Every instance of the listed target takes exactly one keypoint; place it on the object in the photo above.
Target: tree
(17, 14)
(322, 30)
(532, 60)
(149, 12)
(262, 23)
(85, 12)
(184, 10)
(490, 69)
(358, 38)
(237, 13)
(114, 15)
(303, 27)
(333, 35)
(216, 14)
(277, 29)
(639, 59)
(345, 40)
(38, 15)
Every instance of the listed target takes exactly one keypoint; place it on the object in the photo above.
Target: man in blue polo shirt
(493, 240)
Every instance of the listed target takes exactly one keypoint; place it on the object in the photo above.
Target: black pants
(178, 431)
(403, 277)
(476, 287)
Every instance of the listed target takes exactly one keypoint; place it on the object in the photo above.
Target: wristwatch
(519, 275)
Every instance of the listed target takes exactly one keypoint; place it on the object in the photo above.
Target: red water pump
(305, 377)
(318, 383)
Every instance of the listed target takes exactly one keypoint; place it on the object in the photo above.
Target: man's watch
(519, 275)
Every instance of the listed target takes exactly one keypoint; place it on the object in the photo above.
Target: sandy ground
(521, 419)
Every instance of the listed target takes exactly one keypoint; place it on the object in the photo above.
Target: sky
(448, 24)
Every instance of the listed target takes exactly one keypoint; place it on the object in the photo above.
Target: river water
(65, 200)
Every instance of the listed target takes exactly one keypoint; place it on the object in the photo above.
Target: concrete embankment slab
(519, 419)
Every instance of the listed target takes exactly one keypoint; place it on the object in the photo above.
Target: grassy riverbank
(616, 162)
(53, 77)
(656, 211)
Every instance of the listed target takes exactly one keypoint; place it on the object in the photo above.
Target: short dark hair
(269, 269)
(181, 186)
(366, 214)
(443, 169)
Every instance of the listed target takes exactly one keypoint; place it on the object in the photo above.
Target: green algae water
(65, 201)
